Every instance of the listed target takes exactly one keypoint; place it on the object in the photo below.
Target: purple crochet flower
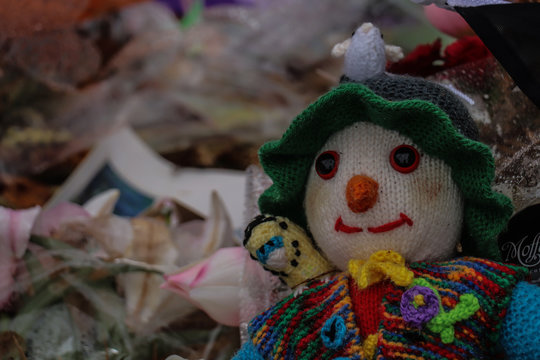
(419, 304)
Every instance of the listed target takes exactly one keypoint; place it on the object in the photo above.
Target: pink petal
(51, 219)
(221, 268)
(213, 284)
(449, 22)
(181, 281)
(7, 270)
(15, 227)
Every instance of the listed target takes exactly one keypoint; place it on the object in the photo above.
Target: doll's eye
(327, 164)
(404, 158)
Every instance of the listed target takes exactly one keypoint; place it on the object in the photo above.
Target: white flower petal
(102, 204)
(221, 303)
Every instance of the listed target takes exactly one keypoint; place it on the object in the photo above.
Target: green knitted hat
(287, 161)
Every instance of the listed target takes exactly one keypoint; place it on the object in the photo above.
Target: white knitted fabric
(365, 56)
(427, 196)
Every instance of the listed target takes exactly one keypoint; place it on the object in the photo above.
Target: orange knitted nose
(361, 193)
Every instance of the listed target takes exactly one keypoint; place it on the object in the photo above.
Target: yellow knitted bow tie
(384, 264)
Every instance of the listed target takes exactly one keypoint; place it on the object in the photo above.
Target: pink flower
(50, 220)
(213, 284)
(449, 22)
(15, 228)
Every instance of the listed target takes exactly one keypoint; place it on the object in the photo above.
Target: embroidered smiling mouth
(403, 219)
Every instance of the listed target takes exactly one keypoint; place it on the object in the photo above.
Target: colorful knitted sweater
(320, 323)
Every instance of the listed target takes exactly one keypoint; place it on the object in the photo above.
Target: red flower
(465, 50)
(426, 60)
(420, 62)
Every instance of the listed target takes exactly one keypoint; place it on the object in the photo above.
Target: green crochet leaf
(444, 322)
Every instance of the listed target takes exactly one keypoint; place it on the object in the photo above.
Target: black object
(512, 33)
(520, 243)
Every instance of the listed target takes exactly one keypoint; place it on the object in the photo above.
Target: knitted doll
(386, 174)
(284, 249)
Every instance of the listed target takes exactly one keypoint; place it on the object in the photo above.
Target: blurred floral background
(129, 132)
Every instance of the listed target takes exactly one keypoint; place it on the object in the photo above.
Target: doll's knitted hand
(284, 249)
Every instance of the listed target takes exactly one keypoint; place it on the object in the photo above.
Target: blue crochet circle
(333, 332)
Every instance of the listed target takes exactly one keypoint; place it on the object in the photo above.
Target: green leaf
(49, 243)
(193, 15)
(447, 335)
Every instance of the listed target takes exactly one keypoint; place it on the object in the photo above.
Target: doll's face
(373, 189)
